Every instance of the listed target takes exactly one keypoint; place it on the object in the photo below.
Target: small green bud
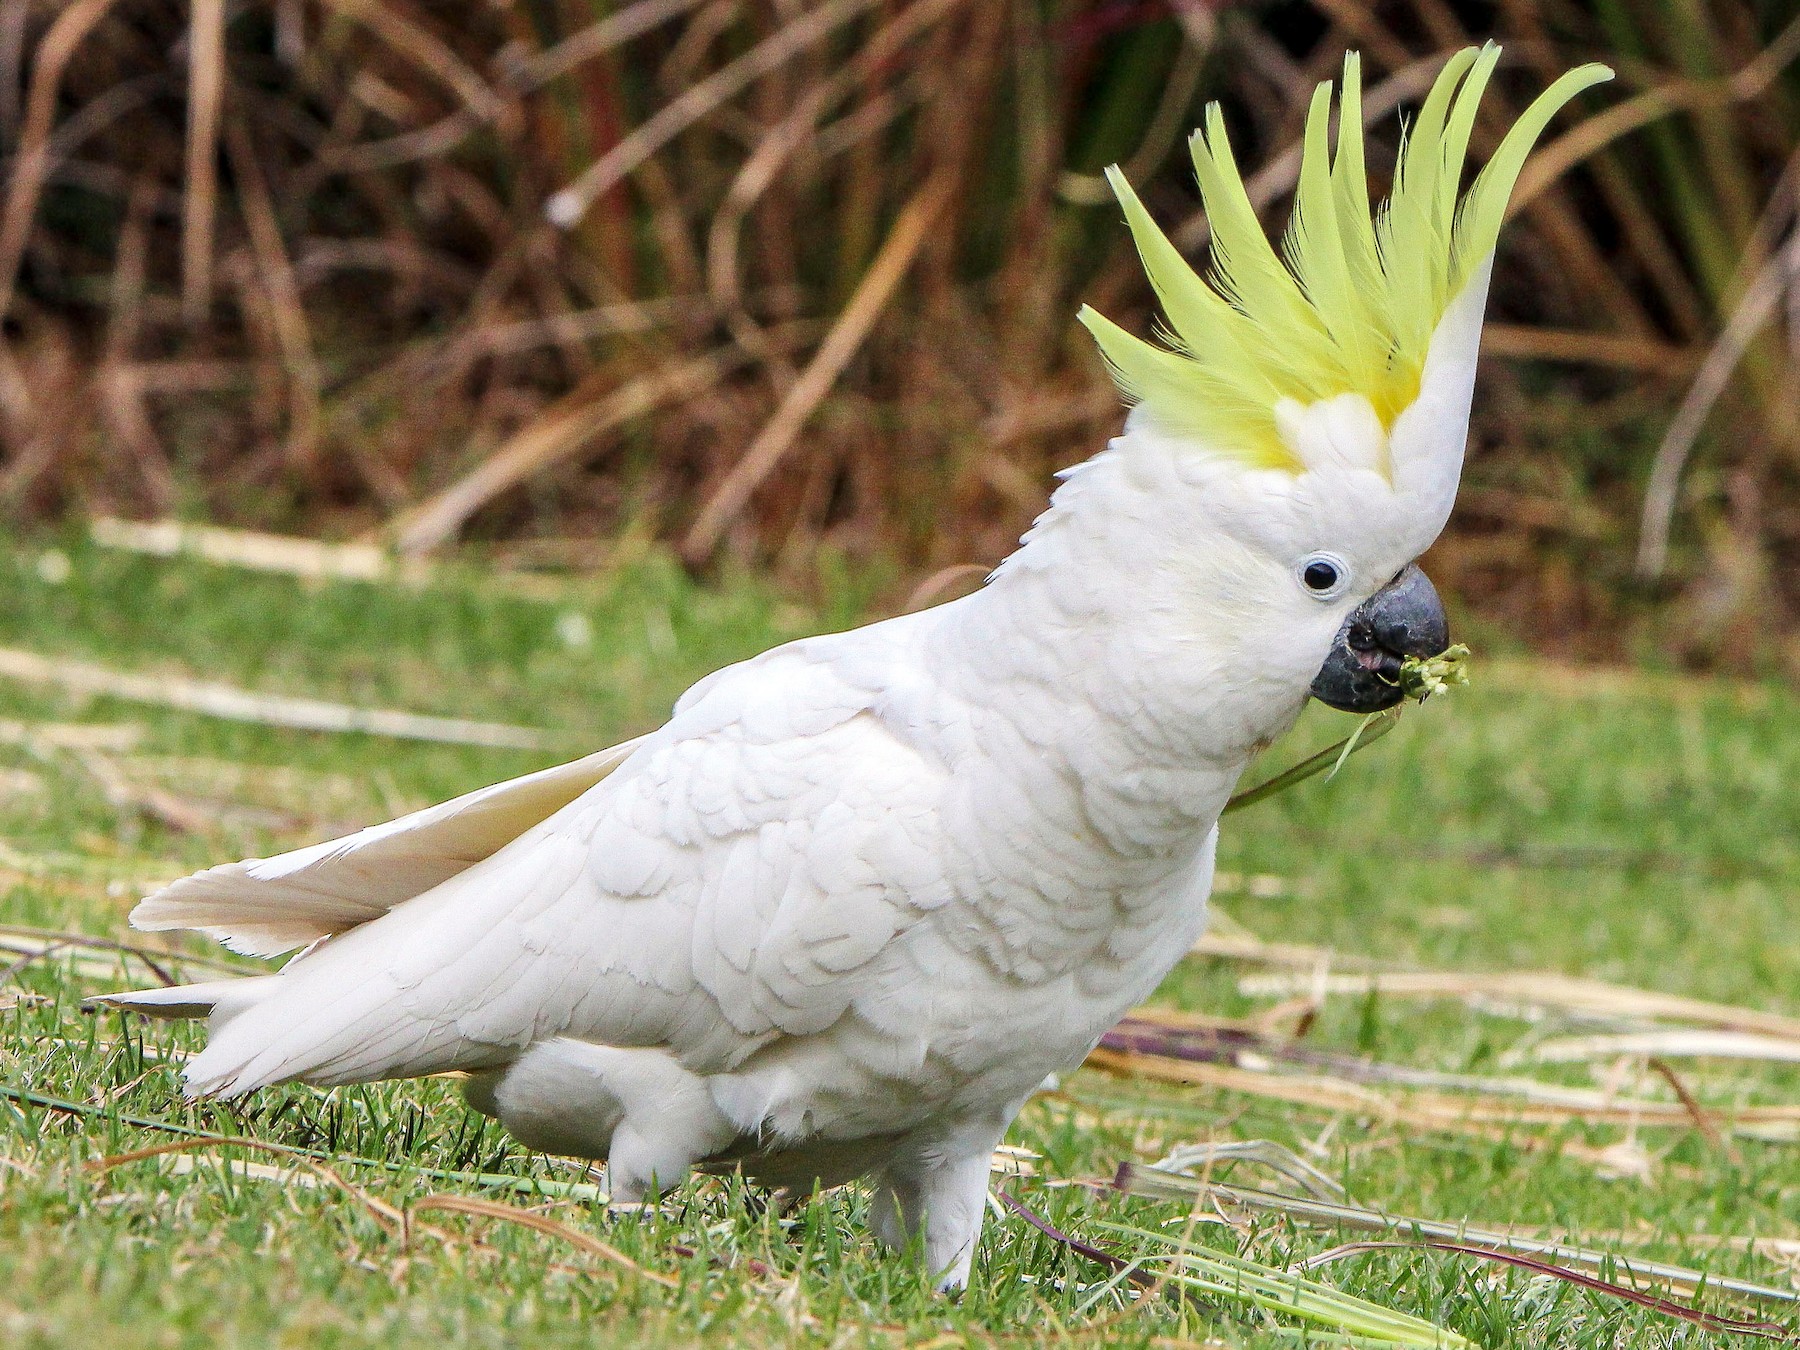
(1421, 678)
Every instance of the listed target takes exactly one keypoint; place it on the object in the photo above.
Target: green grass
(1639, 830)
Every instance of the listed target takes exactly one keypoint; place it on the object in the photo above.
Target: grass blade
(1370, 730)
(563, 1190)
(1248, 1283)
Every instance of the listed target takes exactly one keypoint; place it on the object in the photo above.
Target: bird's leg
(936, 1194)
(894, 1207)
(639, 1109)
(670, 1124)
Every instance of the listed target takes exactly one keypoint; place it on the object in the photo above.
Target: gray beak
(1404, 618)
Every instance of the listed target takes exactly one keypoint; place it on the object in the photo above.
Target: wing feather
(737, 882)
(266, 906)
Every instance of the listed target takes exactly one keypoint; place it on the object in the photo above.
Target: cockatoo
(863, 893)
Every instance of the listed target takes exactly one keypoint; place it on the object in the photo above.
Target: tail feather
(245, 1046)
(396, 903)
(324, 1033)
(219, 1000)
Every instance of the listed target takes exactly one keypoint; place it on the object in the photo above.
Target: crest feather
(1350, 303)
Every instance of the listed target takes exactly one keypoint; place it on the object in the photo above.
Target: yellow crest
(1353, 307)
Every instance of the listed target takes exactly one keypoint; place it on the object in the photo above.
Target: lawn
(1642, 831)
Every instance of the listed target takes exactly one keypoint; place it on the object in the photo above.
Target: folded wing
(737, 882)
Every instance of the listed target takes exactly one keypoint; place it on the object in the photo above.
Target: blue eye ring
(1324, 575)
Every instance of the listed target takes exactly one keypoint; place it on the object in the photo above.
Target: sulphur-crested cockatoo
(850, 906)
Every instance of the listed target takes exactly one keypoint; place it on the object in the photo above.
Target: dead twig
(242, 705)
(31, 165)
(556, 434)
(1620, 351)
(313, 559)
(1778, 276)
(567, 207)
(206, 99)
(1129, 1270)
(845, 339)
(71, 735)
(274, 272)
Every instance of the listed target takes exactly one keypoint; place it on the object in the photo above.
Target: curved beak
(1404, 618)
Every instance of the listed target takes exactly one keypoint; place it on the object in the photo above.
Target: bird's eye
(1324, 575)
(1321, 576)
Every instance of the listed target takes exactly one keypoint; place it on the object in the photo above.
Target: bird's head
(1313, 404)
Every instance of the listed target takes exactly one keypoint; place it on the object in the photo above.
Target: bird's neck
(1112, 642)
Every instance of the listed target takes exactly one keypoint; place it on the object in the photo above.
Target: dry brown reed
(761, 278)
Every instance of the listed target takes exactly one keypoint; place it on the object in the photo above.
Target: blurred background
(771, 283)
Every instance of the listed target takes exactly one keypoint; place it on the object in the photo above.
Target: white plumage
(862, 893)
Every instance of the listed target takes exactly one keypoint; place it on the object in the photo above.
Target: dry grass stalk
(242, 705)
(599, 38)
(1669, 1043)
(798, 133)
(840, 345)
(1495, 1102)
(304, 1168)
(1618, 351)
(31, 164)
(1746, 84)
(206, 101)
(560, 432)
(273, 273)
(1700, 1317)
(249, 1170)
(537, 1186)
(1529, 989)
(123, 794)
(567, 207)
(318, 560)
(425, 50)
(1246, 946)
(112, 736)
(311, 559)
(157, 959)
(489, 1209)
(1137, 1179)
(1276, 1157)
(1779, 278)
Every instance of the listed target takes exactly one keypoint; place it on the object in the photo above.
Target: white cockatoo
(851, 905)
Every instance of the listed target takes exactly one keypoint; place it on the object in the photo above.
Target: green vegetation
(1634, 829)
